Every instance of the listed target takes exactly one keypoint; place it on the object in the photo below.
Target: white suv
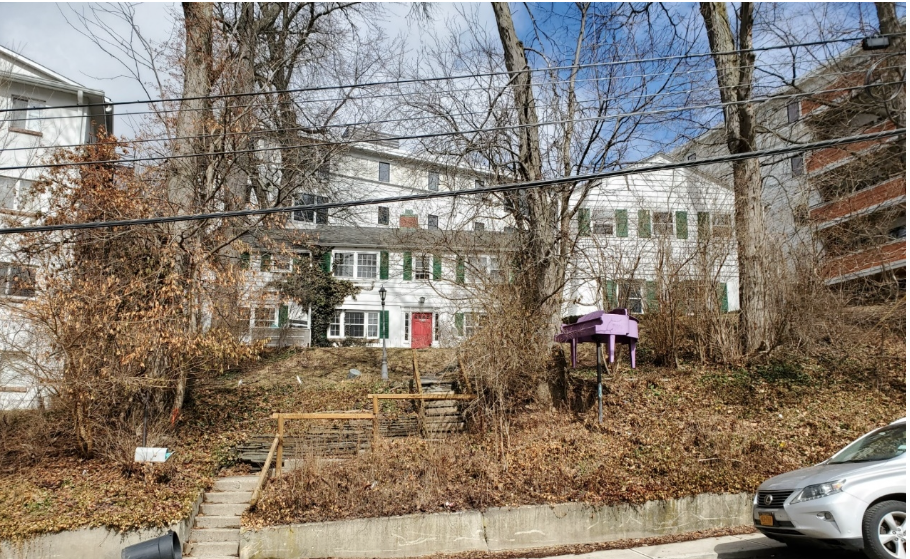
(857, 499)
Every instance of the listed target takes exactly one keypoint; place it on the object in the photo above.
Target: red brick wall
(860, 200)
(872, 258)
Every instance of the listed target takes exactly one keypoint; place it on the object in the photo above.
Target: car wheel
(885, 530)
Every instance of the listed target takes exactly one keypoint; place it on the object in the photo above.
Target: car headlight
(818, 491)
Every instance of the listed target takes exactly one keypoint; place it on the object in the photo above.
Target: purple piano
(602, 327)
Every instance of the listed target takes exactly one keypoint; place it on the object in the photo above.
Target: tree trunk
(194, 113)
(188, 173)
(541, 259)
(734, 78)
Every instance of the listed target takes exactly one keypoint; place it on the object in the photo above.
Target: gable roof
(39, 74)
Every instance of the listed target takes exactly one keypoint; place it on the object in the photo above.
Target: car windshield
(885, 444)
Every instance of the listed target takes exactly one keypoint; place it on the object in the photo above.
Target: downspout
(79, 98)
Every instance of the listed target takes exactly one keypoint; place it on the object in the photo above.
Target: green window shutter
(265, 262)
(682, 225)
(459, 270)
(245, 260)
(406, 267)
(384, 325)
(704, 225)
(459, 323)
(584, 222)
(650, 296)
(384, 265)
(644, 224)
(282, 316)
(722, 297)
(327, 262)
(622, 223)
(437, 267)
(610, 294)
(297, 264)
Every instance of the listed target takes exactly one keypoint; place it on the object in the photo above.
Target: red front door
(421, 329)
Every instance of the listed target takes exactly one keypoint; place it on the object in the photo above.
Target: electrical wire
(582, 103)
(430, 195)
(401, 137)
(457, 77)
(298, 102)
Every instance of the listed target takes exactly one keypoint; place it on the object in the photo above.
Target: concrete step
(213, 549)
(214, 535)
(236, 483)
(228, 497)
(206, 522)
(223, 509)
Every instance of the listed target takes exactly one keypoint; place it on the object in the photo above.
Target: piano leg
(632, 344)
(612, 349)
(600, 392)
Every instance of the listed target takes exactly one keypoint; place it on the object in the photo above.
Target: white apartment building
(43, 111)
(429, 254)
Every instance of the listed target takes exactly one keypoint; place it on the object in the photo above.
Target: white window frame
(721, 224)
(9, 276)
(364, 267)
(407, 326)
(339, 327)
(347, 260)
(433, 181)
(432, 221)
(335, 325)
(263, 321)
(26, 117)
(357, 266)
(388, 169)
(318, 217)
(631, 293)
(602, 222)
(423, 267)
(662, 224)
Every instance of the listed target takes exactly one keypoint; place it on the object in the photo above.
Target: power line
(463, 76)
(409, 137)
(582, 103)
(452, 194)
(400, 94)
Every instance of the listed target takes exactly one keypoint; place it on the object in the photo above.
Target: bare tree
(735, 64)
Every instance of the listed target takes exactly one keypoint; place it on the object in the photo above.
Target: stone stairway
(216, 533)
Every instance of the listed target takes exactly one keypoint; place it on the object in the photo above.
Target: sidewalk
(747, 546)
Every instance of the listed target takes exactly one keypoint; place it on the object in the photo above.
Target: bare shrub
(506, 359)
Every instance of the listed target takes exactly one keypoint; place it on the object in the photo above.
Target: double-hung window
(433, 181)
(630, 296)
(432, 221)
(265, 317)
(335, 325)
(423, 266)
(383, 215)
(367, 265)
(384, 172)
(16, 280)
(663, 224)
(603, 222)
(320, 216)
(722, 224)
(484, 267)
(26, 114)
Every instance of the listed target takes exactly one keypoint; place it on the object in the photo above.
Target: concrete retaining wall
(495, 529)
(91, 543)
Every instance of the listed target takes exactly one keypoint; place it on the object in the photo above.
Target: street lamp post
(384, 371)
